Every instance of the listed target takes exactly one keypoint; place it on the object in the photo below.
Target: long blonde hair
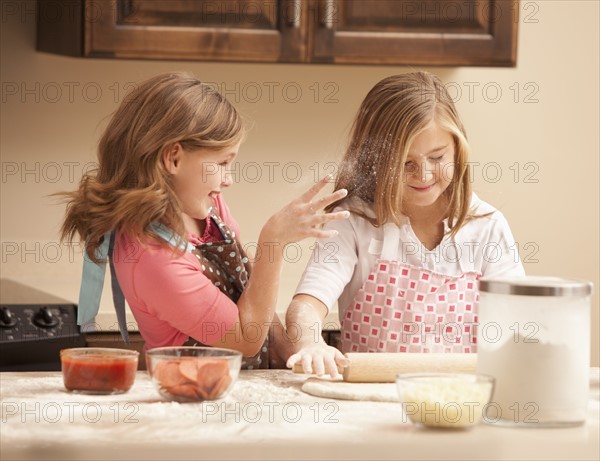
(131, 188)
(392, 114)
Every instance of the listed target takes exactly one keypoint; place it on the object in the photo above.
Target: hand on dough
(320, 359)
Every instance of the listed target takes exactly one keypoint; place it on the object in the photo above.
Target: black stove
(34, 327)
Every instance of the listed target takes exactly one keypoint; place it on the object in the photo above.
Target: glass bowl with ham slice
(193, 374)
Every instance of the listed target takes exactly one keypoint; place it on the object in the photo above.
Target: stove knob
(44, 318)
(7, 318)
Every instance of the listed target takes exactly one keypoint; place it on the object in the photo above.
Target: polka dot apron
(404, 308)
(226, 265)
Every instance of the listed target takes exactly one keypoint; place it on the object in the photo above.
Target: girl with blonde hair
(404, 267)
(154, 210)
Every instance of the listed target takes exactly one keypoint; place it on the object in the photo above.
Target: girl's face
(199, 175)
(429, 166)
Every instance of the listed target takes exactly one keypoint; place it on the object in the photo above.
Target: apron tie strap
(117, 293)
(92, 283)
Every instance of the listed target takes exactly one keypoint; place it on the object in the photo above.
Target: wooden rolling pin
(382, 367)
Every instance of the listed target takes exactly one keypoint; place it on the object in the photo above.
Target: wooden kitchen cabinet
(474, 33)
(442, 32)
(241, 30)
(113, 340)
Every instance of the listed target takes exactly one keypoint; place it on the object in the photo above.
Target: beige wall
(547, 130)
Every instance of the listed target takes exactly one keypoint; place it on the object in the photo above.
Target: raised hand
(303, 217)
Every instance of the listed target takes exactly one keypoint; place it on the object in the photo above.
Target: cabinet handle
(294, 13)
(327, 14)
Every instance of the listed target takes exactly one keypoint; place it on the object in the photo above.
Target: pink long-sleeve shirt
(170, 297)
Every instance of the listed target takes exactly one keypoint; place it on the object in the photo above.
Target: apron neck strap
(169, 236)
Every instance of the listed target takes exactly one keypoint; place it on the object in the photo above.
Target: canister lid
(536, 286)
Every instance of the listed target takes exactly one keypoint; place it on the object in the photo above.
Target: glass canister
(534, 338)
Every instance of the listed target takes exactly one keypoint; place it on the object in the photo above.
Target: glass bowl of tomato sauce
(98, 370)
(193, 374)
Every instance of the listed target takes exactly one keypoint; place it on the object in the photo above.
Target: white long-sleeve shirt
(340, 265)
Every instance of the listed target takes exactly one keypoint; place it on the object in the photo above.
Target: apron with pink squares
(405, 308)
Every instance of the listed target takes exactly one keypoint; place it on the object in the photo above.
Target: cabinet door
(464, 32)
(221, 30)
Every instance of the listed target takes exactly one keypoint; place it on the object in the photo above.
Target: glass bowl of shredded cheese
(444, 400)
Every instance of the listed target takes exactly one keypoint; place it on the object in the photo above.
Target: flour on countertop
(39, 408)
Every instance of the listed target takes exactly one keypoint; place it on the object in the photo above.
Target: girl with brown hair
(154, 210)
(404, 267)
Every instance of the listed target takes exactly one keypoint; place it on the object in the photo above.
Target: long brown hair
(392, 114)
(131, 188)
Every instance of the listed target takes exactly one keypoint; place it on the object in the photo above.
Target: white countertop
(265, 416)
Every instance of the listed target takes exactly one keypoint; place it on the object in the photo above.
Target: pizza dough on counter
(338, 389)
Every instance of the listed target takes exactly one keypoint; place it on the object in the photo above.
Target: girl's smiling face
(429, 167)
(198, 176)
